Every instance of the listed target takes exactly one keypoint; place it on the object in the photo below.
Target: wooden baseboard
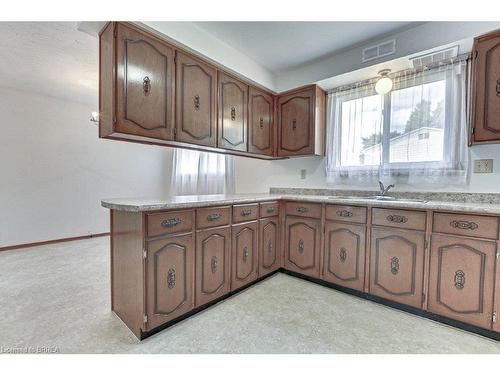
(40, 243)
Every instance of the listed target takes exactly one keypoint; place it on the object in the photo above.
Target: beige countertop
(193, 201)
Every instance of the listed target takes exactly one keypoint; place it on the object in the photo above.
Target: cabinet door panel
(232, 113)
(462, 278)
(260, 122)
(302, 245)
(345, 254)
(212, 264)
(486, 86)
(145, 89)
(269, 247)
(169, 279)
(397, 259)
(296, 123)
(244, 254)
(195, 101)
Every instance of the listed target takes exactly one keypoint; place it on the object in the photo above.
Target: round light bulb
(383, 85)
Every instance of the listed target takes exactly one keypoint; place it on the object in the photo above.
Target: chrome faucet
(383, 189)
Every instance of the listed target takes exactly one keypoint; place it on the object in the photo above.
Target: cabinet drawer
(466, 225)
(269, 209)
(346, 213)
(303, 209)
(212, 217)
(399, 218)
(245, 212)
(169, 222)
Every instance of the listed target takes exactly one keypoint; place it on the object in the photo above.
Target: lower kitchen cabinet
(397, 265)
(244, 254)
(344, 261)
(212, 264)
(461, 279)
(169, 279)
(303, 237)
(269, 254)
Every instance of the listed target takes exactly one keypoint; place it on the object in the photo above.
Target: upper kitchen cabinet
(260, 122)
(486, 89)
(136, 84)
(301, 122)
(196, 90)
(232, 121)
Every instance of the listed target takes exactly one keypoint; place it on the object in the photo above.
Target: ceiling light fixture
(384, 84)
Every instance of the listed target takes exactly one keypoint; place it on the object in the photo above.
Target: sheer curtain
(200, 173)
(416, 134)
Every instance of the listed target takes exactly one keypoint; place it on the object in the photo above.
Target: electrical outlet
(302, 174)
(483, 166)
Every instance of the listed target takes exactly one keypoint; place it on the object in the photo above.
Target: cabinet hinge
(494, 317)
(498, 254)
(145, 318)
(144, 253)
(426, 243)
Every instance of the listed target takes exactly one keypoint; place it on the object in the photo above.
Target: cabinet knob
(394, 265)
(294, 124)
(343, 254)
(261, 123)
(171, 278)
(301, 209)
(397, 219)
(344, 213)
(301, 246)
(170, 223)
(459, 279)
(498, 88)
(270, 246)
(214, 217)
(270, 210)
(146, 85)
(213, 264)
(233, 113)
(197, 102)
(246, 212)
(462, 224)
(245, 254)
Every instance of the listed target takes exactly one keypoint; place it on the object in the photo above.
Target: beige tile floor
(58, 296)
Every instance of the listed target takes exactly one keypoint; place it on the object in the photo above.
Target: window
(417, 129)
(200, 173)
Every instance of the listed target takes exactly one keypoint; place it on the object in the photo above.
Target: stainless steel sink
(383, 198)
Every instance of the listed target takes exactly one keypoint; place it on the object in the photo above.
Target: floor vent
(380, 50)
(434, 57)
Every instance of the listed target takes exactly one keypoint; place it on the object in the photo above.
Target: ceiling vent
(434, 57)
(379, 50)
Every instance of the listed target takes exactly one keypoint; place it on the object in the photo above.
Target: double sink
(385, 198)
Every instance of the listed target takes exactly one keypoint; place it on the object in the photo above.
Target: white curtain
(415, 135)
(201, 173)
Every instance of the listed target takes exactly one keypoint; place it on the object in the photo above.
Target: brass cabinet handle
(459, 279)
(397, 219)
(344, 213)
(343, 254)
(301, 246)
(146, 85)
(261, 123)
(294, 124)
(498, 88)
(214, 217)
(245, 254)
(170, 223)
(233, 113)
(462, 224)
(301, 209)
(394, 265)
(270, 210)
(197, 102)
(246, 212)
(171, 278)
(213, 264)
(270, 246)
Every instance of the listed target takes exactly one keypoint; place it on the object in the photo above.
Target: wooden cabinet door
(145, 94)
(486, 88)
(260, 122)
(296, 123)
(169, 267)
(344, 262)
(244, 254)
(196, 87)
(303, 245)
(462, 279)
(269, 254)
(212, 264)
(397, 265)
(232, 124)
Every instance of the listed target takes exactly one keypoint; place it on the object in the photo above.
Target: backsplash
(427, 195)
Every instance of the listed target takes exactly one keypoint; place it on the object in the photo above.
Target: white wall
(257, 176)
(54, 169)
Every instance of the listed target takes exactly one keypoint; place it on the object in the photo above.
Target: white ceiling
(283, 45)
(50, 58)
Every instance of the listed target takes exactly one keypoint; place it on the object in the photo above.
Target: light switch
(302, 174)
(483, 166)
